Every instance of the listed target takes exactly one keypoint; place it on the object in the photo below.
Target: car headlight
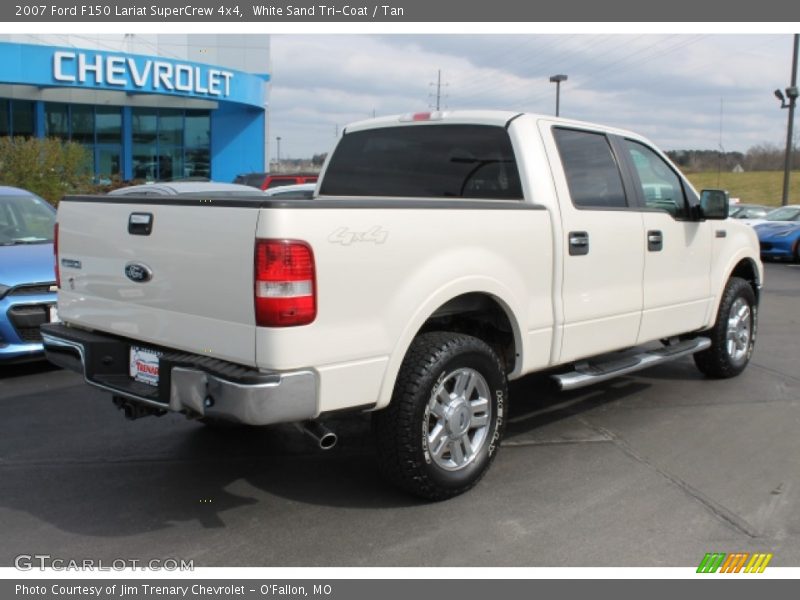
(3, 290)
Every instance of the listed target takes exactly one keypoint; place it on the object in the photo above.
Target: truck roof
(499, 118)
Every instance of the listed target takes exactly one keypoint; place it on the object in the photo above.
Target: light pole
(278, 160)
(557, 79)
(791, 94)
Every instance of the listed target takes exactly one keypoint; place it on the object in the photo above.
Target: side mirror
(714, 204)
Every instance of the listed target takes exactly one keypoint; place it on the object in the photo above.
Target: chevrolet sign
(125, 72)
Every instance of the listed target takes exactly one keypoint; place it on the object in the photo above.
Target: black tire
(410, 454)
(732, 338)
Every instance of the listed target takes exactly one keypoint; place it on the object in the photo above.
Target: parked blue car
(779, 239)
(27, 274)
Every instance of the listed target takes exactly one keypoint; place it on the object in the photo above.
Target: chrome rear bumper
(189, 384)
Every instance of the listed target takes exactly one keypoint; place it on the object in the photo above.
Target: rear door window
(591, 168)
(425, 161)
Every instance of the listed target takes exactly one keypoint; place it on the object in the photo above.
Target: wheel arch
(742, 265)
(748, 270)
(484, 312)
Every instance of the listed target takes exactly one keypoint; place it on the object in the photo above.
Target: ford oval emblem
(138, 272)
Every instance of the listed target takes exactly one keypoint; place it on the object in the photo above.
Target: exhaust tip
(328, 441)
(324, 437)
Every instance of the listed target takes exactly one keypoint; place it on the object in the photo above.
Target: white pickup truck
(443, 254)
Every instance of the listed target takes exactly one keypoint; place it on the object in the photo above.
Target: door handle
(578, 243)
(655, 240)
(140, 223)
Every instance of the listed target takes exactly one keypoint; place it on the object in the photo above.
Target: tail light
(55, 256)
(285, 284)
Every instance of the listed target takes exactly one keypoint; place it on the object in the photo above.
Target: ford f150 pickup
(443, 255)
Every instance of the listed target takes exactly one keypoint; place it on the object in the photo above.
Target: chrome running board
(605, 368)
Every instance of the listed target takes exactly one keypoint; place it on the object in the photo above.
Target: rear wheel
(734, 333)
(442, 428)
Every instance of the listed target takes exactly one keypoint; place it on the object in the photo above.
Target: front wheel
(734, 333)
(442, 428)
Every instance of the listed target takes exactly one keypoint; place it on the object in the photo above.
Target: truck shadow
(22, 369)
(537, 402)
(214, 483)
(97, 475)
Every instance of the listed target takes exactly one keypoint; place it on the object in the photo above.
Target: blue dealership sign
(53, 66)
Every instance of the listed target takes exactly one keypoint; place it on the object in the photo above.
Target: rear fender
(434, 301)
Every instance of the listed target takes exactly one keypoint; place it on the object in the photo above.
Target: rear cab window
(425, 161)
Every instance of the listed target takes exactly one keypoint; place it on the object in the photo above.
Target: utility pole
(791, 92)
(438, 85)
(721, 147)
(278, 161)
(438, 88)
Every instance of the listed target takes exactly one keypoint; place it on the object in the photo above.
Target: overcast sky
(666, 87)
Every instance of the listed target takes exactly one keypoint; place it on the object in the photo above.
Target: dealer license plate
(144, 365)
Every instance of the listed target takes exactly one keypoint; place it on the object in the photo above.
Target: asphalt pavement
(654, 469)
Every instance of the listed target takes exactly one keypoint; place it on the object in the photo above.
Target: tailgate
(196, 263)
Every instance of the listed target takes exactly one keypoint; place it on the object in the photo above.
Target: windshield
(785, 213)
(25, 219)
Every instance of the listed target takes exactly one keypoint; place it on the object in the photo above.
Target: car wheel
(734, 333)
(441, 431)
